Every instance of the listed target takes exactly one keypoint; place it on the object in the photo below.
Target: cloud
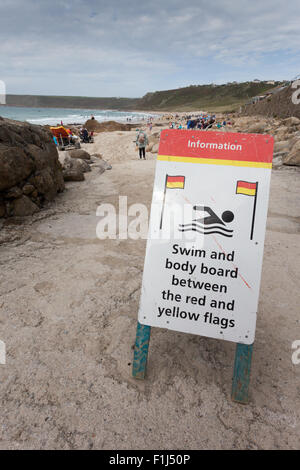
(100, 48)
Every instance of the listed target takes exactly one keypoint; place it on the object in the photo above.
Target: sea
(54, 116)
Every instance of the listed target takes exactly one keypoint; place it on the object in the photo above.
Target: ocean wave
(53, 116)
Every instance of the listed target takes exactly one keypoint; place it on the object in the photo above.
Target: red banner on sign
(216, 148)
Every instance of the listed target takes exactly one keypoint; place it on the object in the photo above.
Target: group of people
(201, 122)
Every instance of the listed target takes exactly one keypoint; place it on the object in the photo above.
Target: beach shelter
(61, 133)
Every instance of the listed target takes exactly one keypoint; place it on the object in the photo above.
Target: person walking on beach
(141, 143)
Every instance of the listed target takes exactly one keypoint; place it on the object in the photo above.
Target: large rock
(73, 169)
(282, 146)
(82, 164)
(2, 207)
(281, 133)
(97, 155)
(293, 158)
(155, 148)
(79, 153)
(104, 164)
(13, 193)
(29, 167)
(23, 206)
(98, 162)
(15, 165)
(28, 189)
(154, 138)
(76, 164)
(73, 175)
(292, 121)
(257, 128)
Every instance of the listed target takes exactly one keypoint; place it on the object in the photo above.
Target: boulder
(277, 161)
(43, 182)
(257, 128)
(22, 207)
(83, 165)
(79, 153)
(76, 164)
(104, 164)
(15, 165)
(292, 121)
(293, 158)
(74, 169)
(149, 147)
(281, 133)
(154, 138)
(155, 148)
(97, 155)
(13, 193)
(73, 175)
(28, 188)
(281, 146)
(28, 163)
(2, 208)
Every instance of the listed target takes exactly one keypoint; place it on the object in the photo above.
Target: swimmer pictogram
(211, 223)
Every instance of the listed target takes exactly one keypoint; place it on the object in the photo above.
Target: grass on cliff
(195, 97)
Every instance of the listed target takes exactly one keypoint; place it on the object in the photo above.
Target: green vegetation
(207, 97)
(36, 101)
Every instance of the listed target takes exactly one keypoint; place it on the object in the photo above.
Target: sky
(130, 47)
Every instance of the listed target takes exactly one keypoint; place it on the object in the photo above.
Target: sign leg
(141, 351)
(241, 374)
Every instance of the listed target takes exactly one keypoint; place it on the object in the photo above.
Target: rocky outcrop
(30, 173)
(92, 125)
(293, 158)
(286, 133)
(257, 128)
(282, 146)
(280, 104)
(292, 122)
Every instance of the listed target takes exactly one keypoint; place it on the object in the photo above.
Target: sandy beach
(70, 304)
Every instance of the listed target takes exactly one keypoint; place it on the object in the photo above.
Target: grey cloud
(127, 48)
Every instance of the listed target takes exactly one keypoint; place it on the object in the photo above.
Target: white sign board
(206, 238)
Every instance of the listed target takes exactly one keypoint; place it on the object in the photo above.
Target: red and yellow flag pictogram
(175, 182)
(244, 187)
